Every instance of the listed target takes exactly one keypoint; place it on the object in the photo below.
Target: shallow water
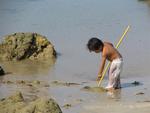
(69, 24)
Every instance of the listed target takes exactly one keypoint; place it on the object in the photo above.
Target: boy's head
(95, 44)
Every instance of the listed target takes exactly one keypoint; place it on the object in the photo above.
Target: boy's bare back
(110, 52)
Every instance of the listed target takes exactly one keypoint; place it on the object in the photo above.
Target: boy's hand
(99, 77)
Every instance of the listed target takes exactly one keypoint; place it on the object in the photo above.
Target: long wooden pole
(117, 46)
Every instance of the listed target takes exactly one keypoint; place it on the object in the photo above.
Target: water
(69, 24)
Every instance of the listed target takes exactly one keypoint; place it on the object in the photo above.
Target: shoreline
(73, 97)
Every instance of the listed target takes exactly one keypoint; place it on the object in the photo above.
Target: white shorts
(114, 73)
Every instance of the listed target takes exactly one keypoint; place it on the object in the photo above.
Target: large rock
(17, 104)
(19, 46)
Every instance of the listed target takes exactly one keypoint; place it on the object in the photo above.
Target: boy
(110, 53)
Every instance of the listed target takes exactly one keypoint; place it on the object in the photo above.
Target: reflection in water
(1, 79)
(115, 94)
(28, 67)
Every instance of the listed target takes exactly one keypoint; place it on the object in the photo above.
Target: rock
(135, 83)
(1, 71)
(36, 82)
(41, 105)
(11, 104)
(59, 83)
(16, 97)
(17, 104)
(20, 46)
(140, 93)
(67, 106)
(21, 82)
(146, 101)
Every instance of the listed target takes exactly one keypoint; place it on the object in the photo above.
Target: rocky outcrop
(17, 104)
(19, 46)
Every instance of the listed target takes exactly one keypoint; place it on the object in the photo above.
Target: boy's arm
(101, 67)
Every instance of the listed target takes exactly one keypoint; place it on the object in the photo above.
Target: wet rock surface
(35, 83)
(59, 83)
(17, 104)
(94, 89)
(19, 46)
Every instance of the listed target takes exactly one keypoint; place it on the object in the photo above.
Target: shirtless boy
(110, 53)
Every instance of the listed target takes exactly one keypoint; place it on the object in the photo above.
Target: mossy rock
(20, 46)
(17, 104)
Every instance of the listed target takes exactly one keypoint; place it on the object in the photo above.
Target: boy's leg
(114, 75)
(120, 66)
(111, 76)
(117, 83)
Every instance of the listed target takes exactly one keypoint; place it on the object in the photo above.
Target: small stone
(9, 82)
(135, 83)
(140, 93)
(67, 106)
(21, 82)
(147, 101)
(46, 85)
(1, 71)
(86, 87)
(36, 82)
(29, 85)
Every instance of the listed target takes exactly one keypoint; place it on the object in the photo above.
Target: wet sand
(81, 97)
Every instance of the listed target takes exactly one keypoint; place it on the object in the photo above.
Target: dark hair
(94, 44)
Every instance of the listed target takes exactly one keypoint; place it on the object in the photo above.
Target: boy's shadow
(133, 84)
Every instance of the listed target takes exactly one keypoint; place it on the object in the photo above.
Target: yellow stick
(117, 46)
